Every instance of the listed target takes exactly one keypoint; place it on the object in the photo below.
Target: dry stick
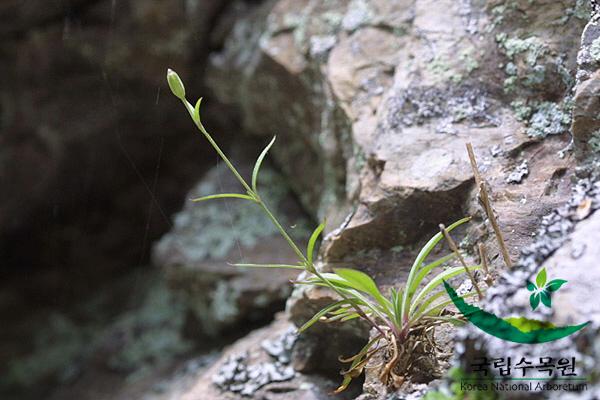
(454, 248)
(482, 254)
(487, 206)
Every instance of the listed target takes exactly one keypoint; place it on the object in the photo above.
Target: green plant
(404, 321)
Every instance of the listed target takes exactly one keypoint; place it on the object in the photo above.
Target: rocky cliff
(372, 102)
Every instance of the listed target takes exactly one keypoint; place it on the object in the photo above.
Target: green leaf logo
(541, 290)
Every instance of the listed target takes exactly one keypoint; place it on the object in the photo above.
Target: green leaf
(342, 310)
(284, 266)
(534, 300)
(343, 317)
(312, 241)
(349, 317)
(363, 282)
(427, 269)
(540, 279)
(417, 309)
(320, 314)
(258, 163)
(382, 310)
(421, 258)
(397, 305)
(439, 279)
(332, 278)
(531, 286)
(354, 296)
(436, 309)
(224, 196)
(545, 297)
(554, 285)
(196, 116)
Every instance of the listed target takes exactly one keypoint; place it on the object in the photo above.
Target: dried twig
(454, 248)
(488, 207)
(483, 256)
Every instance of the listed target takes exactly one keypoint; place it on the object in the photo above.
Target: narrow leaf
(342, 317)
(363, 282)
(334, 279)
(427, 269)
(355, 296)
(554, 285)
(224, 196)
(349, 317)
(396, 299)
(320, 314)
(377, 308)
(421, 258)
(196, 116)
(531, 286)
(312, 241)
(416, 309)
(258, 163)
(438, 280)
(436, 309)
(540, 279)
(342, 310)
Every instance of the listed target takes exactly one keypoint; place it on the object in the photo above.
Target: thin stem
(214, 144)
(454, 248)
(489, 281)
(487, 206)
(281, 230)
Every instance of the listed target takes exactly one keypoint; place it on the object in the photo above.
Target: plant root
(415, 357)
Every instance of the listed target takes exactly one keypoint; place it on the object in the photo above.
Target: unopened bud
(175, 84)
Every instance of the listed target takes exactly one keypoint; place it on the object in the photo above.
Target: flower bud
(175, 84)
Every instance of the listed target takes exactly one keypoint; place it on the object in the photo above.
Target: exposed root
(415, 358)
(384, 376)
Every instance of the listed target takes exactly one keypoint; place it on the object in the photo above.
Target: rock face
(208, 236)
(375, 101)
(586, 125)
(372, 102)
(256, 366)
(382, 105)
